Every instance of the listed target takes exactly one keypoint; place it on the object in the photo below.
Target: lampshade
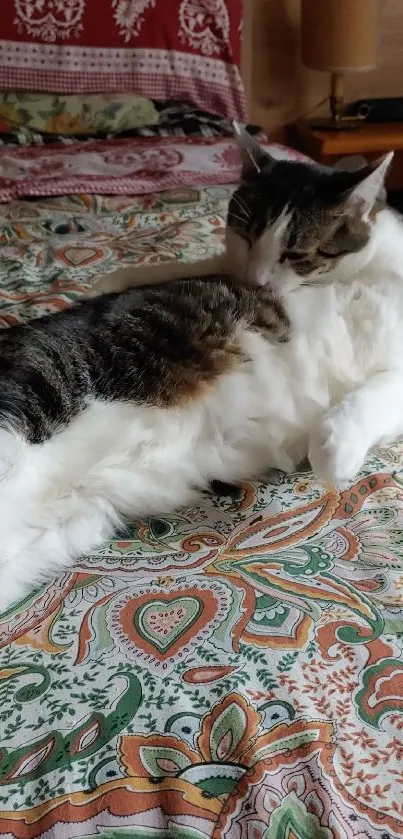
(339, 35)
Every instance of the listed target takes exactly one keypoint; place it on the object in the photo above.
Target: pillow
(187, 50)
(58, 114)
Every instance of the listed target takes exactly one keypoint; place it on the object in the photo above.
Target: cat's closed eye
(291, 256)
(329, 255)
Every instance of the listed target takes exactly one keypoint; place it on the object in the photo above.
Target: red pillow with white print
(187, 50)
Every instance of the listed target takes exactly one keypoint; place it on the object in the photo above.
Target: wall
(279, 89)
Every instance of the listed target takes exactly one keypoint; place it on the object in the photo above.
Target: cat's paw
(337, 448)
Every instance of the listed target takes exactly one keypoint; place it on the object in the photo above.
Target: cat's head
(296, 223)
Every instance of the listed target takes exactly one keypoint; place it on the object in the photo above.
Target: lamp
(338, 37)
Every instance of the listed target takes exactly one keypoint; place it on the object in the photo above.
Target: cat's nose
(258, 275)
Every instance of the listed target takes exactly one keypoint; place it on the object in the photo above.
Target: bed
(231, 672)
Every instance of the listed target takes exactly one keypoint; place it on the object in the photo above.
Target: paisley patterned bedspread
(232, 672)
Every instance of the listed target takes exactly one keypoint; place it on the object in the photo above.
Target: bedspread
(233, 671)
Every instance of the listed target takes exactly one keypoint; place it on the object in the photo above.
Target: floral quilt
(234, 671)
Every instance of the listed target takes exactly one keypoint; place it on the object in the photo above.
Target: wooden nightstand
(369, 140)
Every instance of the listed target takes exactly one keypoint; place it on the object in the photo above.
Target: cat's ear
(361, 198)
(253, 157)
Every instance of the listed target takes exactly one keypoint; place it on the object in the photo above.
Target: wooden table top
(367, 138)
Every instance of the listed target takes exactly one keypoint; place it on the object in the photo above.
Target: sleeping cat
(129, 403)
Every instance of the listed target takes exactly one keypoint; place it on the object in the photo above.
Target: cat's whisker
(242, 203)
(239, 218)
(243, 207)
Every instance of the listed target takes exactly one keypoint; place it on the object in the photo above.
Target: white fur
(335, 389)
(63, 498)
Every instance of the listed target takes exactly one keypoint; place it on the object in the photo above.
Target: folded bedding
(117, 167)
(162, 49)
(169, 119)
(74, 115)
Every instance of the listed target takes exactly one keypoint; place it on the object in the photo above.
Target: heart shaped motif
(80, 256)
(161, 624)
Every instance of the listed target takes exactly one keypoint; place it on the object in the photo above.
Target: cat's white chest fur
(346, 341)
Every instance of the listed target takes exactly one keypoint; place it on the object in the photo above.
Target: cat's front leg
(338, 446)
(342, 438)
(133, 276)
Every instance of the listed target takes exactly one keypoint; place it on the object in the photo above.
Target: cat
(128, 404)
(333, 252)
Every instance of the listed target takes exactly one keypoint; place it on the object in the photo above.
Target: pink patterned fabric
(120, 167)
(164, 49)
